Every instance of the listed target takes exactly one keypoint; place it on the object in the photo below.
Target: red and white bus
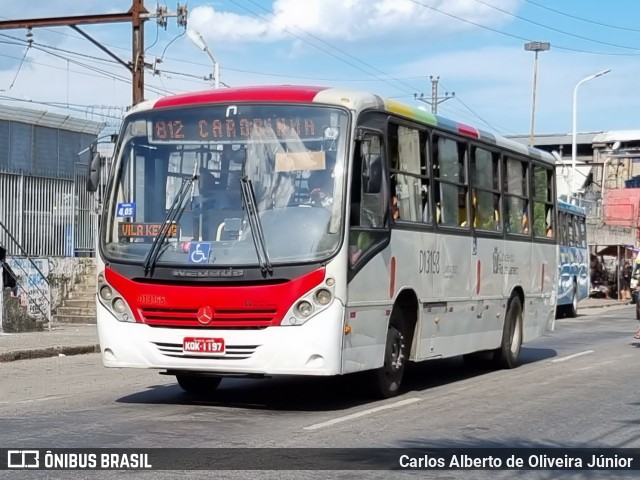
(318, 231)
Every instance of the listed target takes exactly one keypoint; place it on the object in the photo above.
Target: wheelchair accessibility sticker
(199, 252)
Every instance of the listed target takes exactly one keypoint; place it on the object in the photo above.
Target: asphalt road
(577, 387)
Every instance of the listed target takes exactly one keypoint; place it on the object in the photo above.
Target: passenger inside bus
(485, 211)
(549, 224)
(320, 185)
(320, 182)
(395, 211)
(426, 209)
(525, 222)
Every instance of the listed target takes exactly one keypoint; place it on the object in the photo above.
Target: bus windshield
(184, 169)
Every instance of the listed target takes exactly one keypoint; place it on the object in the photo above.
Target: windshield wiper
(175, 210)
(249, 200)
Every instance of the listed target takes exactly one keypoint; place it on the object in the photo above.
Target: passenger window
(451, 187)
(409, 182)
(516, 205)
(543, 213)
(485, 193)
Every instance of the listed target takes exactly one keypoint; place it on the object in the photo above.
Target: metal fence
(48, 216)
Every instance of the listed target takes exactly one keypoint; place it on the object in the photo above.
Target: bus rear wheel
(509, 352)
(387, 379)
(572, 308)
(198, 385)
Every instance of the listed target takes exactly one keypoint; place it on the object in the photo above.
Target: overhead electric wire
(559, 47)
(555, 29)
(592, 22)
(102, 73)
(385, 80)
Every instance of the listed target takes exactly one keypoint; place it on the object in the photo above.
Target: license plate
(210, 346)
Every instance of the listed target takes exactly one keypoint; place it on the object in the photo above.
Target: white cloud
(349, 20)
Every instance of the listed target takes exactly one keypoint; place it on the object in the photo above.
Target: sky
(474, 48)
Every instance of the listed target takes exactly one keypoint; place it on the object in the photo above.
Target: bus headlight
(311, 304)
(323, 297)
(113, 301)
(119, 306)
(106, 293)
(304, 308)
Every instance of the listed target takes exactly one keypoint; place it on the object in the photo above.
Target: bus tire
(572, 308)
(198, 385)
(507, 355)
(388, 378)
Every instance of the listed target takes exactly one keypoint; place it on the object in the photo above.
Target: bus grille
(188, 318)
(232, 352)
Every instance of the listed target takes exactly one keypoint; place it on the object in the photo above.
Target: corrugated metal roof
(556, 138)
(44, 118)
(617, 136)
(581, 137)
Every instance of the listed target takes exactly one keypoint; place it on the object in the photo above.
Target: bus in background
(573, 258)
(297, 230)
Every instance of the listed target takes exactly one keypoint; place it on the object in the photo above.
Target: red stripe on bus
(468, 130)
(392, 279)
(276, 93)
(243, 306)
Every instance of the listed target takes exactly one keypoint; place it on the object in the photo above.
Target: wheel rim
(516, 337)
(396, 354)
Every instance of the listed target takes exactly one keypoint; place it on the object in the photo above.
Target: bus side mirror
(93, 178)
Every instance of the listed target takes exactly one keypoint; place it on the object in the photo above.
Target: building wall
(44, 206)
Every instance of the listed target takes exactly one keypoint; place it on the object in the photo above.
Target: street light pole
(535, 47)
(197, 39)
(575, 121)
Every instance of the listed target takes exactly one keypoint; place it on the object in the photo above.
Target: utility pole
(435, 100)
(137, 15)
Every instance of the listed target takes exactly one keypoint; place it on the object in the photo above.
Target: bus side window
(408, 174)
(516, 201)
(368, 202)
(485, 193)
(451, 187)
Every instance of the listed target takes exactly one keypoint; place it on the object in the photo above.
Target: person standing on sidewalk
(635, 288)
(8, 279)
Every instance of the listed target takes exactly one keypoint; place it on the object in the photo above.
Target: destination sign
(144, 230)
(190, 128)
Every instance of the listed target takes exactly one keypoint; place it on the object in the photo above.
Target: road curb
(595, 307)
(48, 352)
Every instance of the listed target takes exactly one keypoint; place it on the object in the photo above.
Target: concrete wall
(600, 234)
(62, 273)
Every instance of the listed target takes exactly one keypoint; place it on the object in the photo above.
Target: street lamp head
(537, 46)
(197, 39)
(574, 142)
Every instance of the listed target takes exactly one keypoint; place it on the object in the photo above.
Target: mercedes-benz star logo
(205, 315)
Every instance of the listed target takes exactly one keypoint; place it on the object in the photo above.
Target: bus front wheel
(507, 355)
(388, 378)
(198, 384)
